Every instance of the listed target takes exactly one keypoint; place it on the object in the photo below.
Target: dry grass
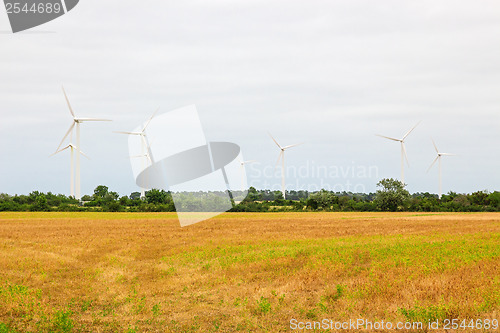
(113, 272)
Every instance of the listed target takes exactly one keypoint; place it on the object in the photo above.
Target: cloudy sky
(331, 74)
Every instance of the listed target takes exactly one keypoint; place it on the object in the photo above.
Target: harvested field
(244, 272)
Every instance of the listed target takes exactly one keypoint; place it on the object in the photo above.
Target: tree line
(390, 196)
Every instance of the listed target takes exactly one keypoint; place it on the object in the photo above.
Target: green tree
(100, 192)
(253, 195)
(135, 195)
(111, 196)
(479, 198)
(494, 199)
(277, 195)
(86, 197)
(156, 196)
(39, 201)
(124, 201)
(461, 203)
(449, 197)
(392, 196)
(323, 199)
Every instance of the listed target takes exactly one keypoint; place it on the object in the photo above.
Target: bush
(393, 196)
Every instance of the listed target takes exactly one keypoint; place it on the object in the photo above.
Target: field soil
(246, 272)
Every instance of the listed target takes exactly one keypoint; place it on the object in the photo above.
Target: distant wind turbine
(76, 122)
(242, 167)
(282, 158)
(145, 148)
(438, 158)
(72, 165)
(403, 150)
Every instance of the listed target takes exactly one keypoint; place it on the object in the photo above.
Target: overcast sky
(331, 74)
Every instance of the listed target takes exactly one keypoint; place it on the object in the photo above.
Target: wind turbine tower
(242, 167)
(72, 165)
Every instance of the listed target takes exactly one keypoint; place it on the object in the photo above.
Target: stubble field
(244, 272)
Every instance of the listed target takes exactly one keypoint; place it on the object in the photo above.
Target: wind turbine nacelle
(26, 14)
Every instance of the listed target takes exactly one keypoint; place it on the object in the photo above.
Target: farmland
(243, 272)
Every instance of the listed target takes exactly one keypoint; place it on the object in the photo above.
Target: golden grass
(243, 272)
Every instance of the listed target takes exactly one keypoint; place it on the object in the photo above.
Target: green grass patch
(347, 253)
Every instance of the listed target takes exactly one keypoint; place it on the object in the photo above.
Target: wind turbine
(72, 165)
(403, 150)
(282, 158)
(145, 148)
(76, 122)
(148, 157)
(242, 167)
(438, 158)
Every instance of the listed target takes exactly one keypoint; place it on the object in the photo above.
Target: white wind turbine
(72, 165)
(242, 168)
(145, 157)
(403, 150)
(438, 158)
(76, 122)
(282, 158)
(145, 149)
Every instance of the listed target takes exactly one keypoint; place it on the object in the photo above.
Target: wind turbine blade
(435, 160)
(247, 162)
(276, 142)
(92, 119)
(279, 158)
(81, 152)
(142, 156)
(386, 137)
(128, 133)
(69, 105)
(66, 135)
(406, 156)
(149, 146)
(291, 146)
(150, 118)
(446, 154)
(408, 133)
(435, 147)
(57, 152)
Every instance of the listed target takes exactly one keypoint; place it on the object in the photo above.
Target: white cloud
(329, 73)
